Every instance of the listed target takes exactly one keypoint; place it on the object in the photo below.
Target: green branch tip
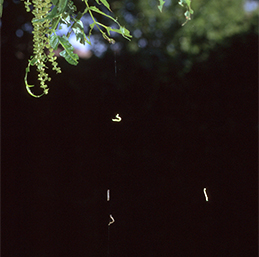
(32, 62)
(161, 4)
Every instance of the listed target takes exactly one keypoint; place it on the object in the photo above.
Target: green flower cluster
(42, 50)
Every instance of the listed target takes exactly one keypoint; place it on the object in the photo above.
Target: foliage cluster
(48, 18)
(50, 15)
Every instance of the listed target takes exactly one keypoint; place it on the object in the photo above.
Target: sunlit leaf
(52, 13)
(122, 30)
(95, 9)
(62, 4)
(105, 3)
(161, 4)
(65, 19)
(187, 14)
(67, 53)
(78, 28)
(187, 5)
(54, 41)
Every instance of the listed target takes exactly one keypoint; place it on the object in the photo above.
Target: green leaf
(62, 5)
(95, 9)
(1, 8)
(187, 15)
(122, 30)
(161, 4)
(55, 2)
(70, 57)
(65, 19)
(187, 5)
(105, 3)
(125, 33)
(71, 8)
(54, 41)
(67, 53)
(78, 28)
(79, 15)
(53, 13)
(181, 2)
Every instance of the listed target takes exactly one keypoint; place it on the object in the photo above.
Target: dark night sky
(62, 152)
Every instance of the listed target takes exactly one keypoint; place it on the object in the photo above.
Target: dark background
(60, 154)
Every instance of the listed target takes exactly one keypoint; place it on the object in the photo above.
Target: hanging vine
(41, 43)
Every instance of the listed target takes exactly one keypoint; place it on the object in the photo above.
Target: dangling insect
(117, 119)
